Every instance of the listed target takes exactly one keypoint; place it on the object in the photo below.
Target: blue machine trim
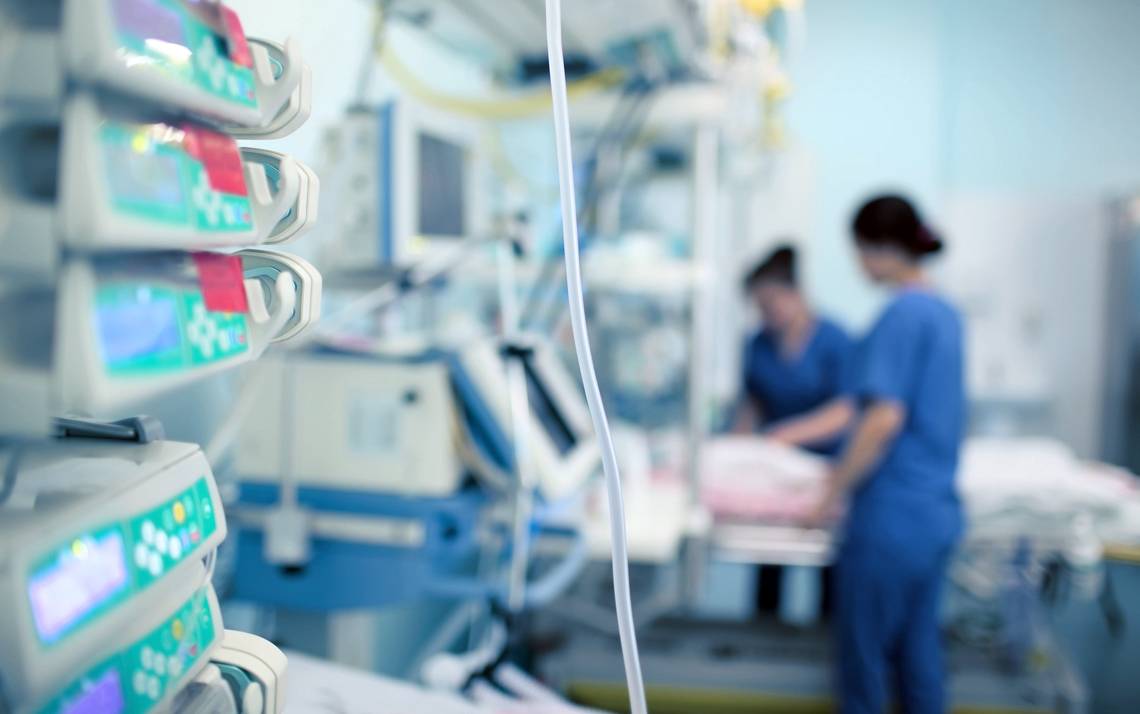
(386, 225)
(346, 575)
(486, 432)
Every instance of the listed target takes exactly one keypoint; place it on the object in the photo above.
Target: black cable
(10, 471)
(625, 120)
(600, 186)
(618, 114)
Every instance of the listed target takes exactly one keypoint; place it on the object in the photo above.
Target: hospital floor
(756, 668)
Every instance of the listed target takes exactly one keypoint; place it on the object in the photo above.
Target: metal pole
(706, 172)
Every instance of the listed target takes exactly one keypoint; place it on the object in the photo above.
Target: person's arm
(878, 427)
(747, 416)
(818, 426)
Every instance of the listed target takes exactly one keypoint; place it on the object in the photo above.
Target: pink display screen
(88, 573)
(104, 696)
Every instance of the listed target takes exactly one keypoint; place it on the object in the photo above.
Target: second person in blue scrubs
(796, 390)
(898, 471)
(796, 368)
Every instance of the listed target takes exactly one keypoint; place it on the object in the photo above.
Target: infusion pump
(102, 548)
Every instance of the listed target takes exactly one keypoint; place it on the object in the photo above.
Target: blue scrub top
(914, 356)
(790, 386)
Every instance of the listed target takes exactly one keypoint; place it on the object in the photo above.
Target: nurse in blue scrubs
(796, 367)
(897, 472)
(796, 390)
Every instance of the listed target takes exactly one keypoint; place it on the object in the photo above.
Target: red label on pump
(222, 282)
(220, 156)
(235, 36)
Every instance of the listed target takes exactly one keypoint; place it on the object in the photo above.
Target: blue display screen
(136, 324)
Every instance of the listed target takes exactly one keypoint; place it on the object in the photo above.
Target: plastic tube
(622, 600)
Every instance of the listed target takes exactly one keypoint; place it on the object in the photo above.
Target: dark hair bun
(928, 242)
(779, 267)
(892, 220)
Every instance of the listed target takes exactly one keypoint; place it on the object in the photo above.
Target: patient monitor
(409, 186)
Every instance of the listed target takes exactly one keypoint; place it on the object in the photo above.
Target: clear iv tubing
(622, 599)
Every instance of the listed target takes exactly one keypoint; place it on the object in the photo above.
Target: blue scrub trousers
(889, 580)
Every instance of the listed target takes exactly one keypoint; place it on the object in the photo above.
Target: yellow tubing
(508, 107)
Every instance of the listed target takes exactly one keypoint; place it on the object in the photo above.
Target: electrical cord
(11, 469)
(598, 189)
(623, 121)
(622, 599)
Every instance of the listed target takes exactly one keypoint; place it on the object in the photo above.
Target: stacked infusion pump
(134, 259)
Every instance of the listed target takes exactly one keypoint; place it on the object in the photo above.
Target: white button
(152, 687)
(147, 657)
(175, 665)
(148, 532)
(159, 664)
(140, 682)
(175, 548)
(160, 541)
(155, 564)
(142, 555)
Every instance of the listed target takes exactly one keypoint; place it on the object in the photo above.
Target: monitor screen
(442, 179)
(547, 412)
(86, 574)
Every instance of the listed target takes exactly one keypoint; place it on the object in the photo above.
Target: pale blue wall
(1042, 95)
(868, 108)
(939, 96)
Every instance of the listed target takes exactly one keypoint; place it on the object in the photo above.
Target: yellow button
(179, 512)
(176, 630)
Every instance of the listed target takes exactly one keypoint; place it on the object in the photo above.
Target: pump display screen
(144, 179)
(84, 575)
(543, 406)
(442, 175)
(104, 696)
(133, 330)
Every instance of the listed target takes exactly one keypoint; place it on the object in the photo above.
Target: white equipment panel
(353, 423)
